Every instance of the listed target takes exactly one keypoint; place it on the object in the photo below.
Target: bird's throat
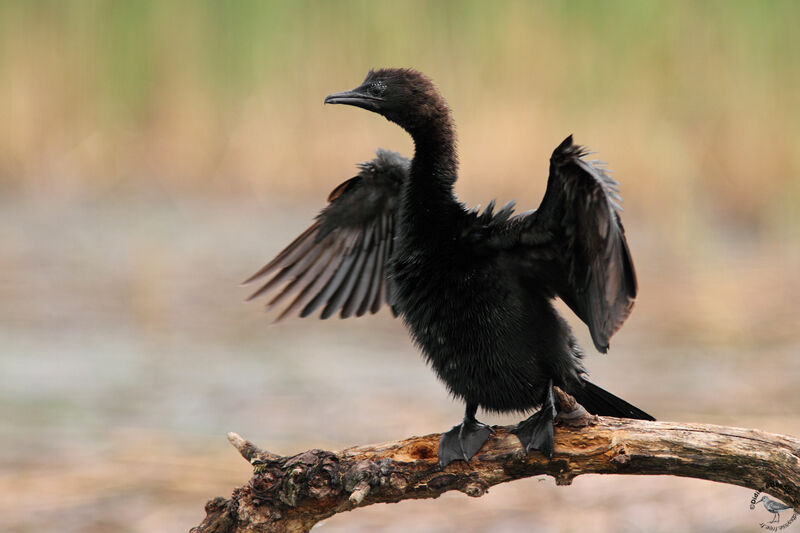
(434, 168)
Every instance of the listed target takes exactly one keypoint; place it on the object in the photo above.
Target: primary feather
(339, 262)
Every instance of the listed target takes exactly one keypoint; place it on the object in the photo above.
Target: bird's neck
(434, 169)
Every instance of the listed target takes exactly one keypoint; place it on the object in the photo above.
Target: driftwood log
(291, 494)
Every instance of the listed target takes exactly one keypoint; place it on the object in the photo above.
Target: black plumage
(340, 261)
(475, 289)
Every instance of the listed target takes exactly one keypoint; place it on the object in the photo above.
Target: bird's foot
(536, 431)
(463, 441)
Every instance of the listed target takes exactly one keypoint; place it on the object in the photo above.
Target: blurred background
(153, 154)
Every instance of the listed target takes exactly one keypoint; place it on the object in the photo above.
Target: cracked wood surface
(291, 494)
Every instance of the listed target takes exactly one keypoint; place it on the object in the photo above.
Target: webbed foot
(536, 432)
(464, 440)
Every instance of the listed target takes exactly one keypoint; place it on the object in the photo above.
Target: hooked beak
(355, 98)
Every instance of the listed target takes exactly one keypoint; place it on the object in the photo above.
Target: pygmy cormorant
(475, 289)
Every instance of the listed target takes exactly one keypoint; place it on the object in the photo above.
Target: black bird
(475, 289)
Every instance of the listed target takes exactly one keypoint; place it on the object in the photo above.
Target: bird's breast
(485, 337)
(454, 305)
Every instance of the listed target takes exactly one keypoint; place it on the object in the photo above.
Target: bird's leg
(465, 439)
(536, 432)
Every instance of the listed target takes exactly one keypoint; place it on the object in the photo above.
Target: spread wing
(339, 262)
(591, 266)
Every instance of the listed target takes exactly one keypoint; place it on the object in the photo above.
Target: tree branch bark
(291, 494)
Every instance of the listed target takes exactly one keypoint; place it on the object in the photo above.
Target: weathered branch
(288, 494)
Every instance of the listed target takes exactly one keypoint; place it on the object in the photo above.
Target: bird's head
(405, 96)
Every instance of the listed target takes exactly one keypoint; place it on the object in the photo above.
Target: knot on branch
(359, 492)
(314, 474)
(368, 473)
(475, 489)
(621, 456)
(570, 412)
(220, 517)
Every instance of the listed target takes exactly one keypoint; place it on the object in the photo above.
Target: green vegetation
(690, 101)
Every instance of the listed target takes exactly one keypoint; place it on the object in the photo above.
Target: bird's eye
(376, 89)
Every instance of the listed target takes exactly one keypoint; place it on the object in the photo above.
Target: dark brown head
(404, 96)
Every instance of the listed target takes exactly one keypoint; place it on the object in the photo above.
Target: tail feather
(601, 402)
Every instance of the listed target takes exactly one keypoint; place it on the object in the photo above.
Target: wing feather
(288, 254)
(371, 271)
(327, 292)
(578, 226)
(301, 284)
(310, 289)
(364, 279)
(292, 270)
(376, 295)
(339, 262)
(346, 286)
